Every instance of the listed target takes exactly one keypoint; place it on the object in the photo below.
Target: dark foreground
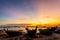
(37, 37)
(45, 34)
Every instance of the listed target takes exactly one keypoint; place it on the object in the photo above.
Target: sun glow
(47, 20)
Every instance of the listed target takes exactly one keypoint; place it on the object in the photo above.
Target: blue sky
(29, 11)
(17, 10)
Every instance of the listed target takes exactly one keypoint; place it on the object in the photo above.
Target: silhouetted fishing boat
(31, 33)
(47, 31)
(13, 33)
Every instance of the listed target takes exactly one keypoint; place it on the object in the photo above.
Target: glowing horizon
(30, 12)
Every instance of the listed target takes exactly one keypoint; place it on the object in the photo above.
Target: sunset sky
(29, 11)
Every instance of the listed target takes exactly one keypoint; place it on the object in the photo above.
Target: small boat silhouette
(47, 31)
(13, 33)
(31, 33)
